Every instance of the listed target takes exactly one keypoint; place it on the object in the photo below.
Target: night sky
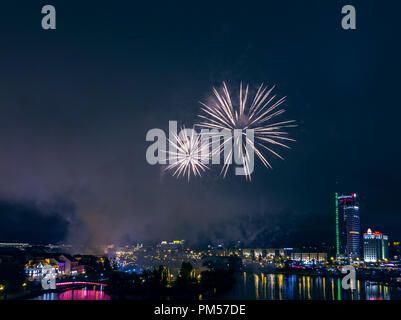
(76, 104)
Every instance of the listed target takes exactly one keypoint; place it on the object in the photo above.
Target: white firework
(189, 155)
(258, 115)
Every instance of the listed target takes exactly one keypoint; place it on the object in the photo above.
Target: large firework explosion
(224, 113)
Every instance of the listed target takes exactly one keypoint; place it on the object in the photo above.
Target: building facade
(309, 257)
(347, 226)
(375, 246)
(262, 253)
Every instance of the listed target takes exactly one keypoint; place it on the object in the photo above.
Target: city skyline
(337, 238)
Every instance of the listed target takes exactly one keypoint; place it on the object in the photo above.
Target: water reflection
(262, 286)
(95, 293)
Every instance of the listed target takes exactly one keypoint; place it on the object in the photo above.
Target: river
(292, 287)
(87, 293)
(264, 286)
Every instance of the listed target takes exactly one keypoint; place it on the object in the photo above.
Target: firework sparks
(258, 115)
(190, 155)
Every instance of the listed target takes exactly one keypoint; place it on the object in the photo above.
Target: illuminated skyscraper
(347, 225)
(375, 246)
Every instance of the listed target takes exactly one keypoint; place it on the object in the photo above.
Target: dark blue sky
(76, 103)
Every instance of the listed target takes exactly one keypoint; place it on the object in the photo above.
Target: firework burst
(257, 114)
(190, 154)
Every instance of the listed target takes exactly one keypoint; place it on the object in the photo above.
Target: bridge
(79, 283)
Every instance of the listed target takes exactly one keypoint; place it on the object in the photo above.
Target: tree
(12, 275)
(185, 271)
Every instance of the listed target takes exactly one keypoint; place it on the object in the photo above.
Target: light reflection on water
(264, 286)
(95, 293)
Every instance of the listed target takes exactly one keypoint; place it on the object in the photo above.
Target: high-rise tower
(347, 225)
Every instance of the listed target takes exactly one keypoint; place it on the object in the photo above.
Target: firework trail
(258, 115)
(189, 155)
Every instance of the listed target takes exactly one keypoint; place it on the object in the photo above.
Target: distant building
(395, 250)
(375, 246)
(262, 253)
(309, 257)
(14, 245)
(173, 246)
(347, 225)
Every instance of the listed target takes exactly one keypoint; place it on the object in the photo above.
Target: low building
(395, 250)
(309, 257)
(65, 264)
(375, 246)
(35, 269)
(262, 253)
